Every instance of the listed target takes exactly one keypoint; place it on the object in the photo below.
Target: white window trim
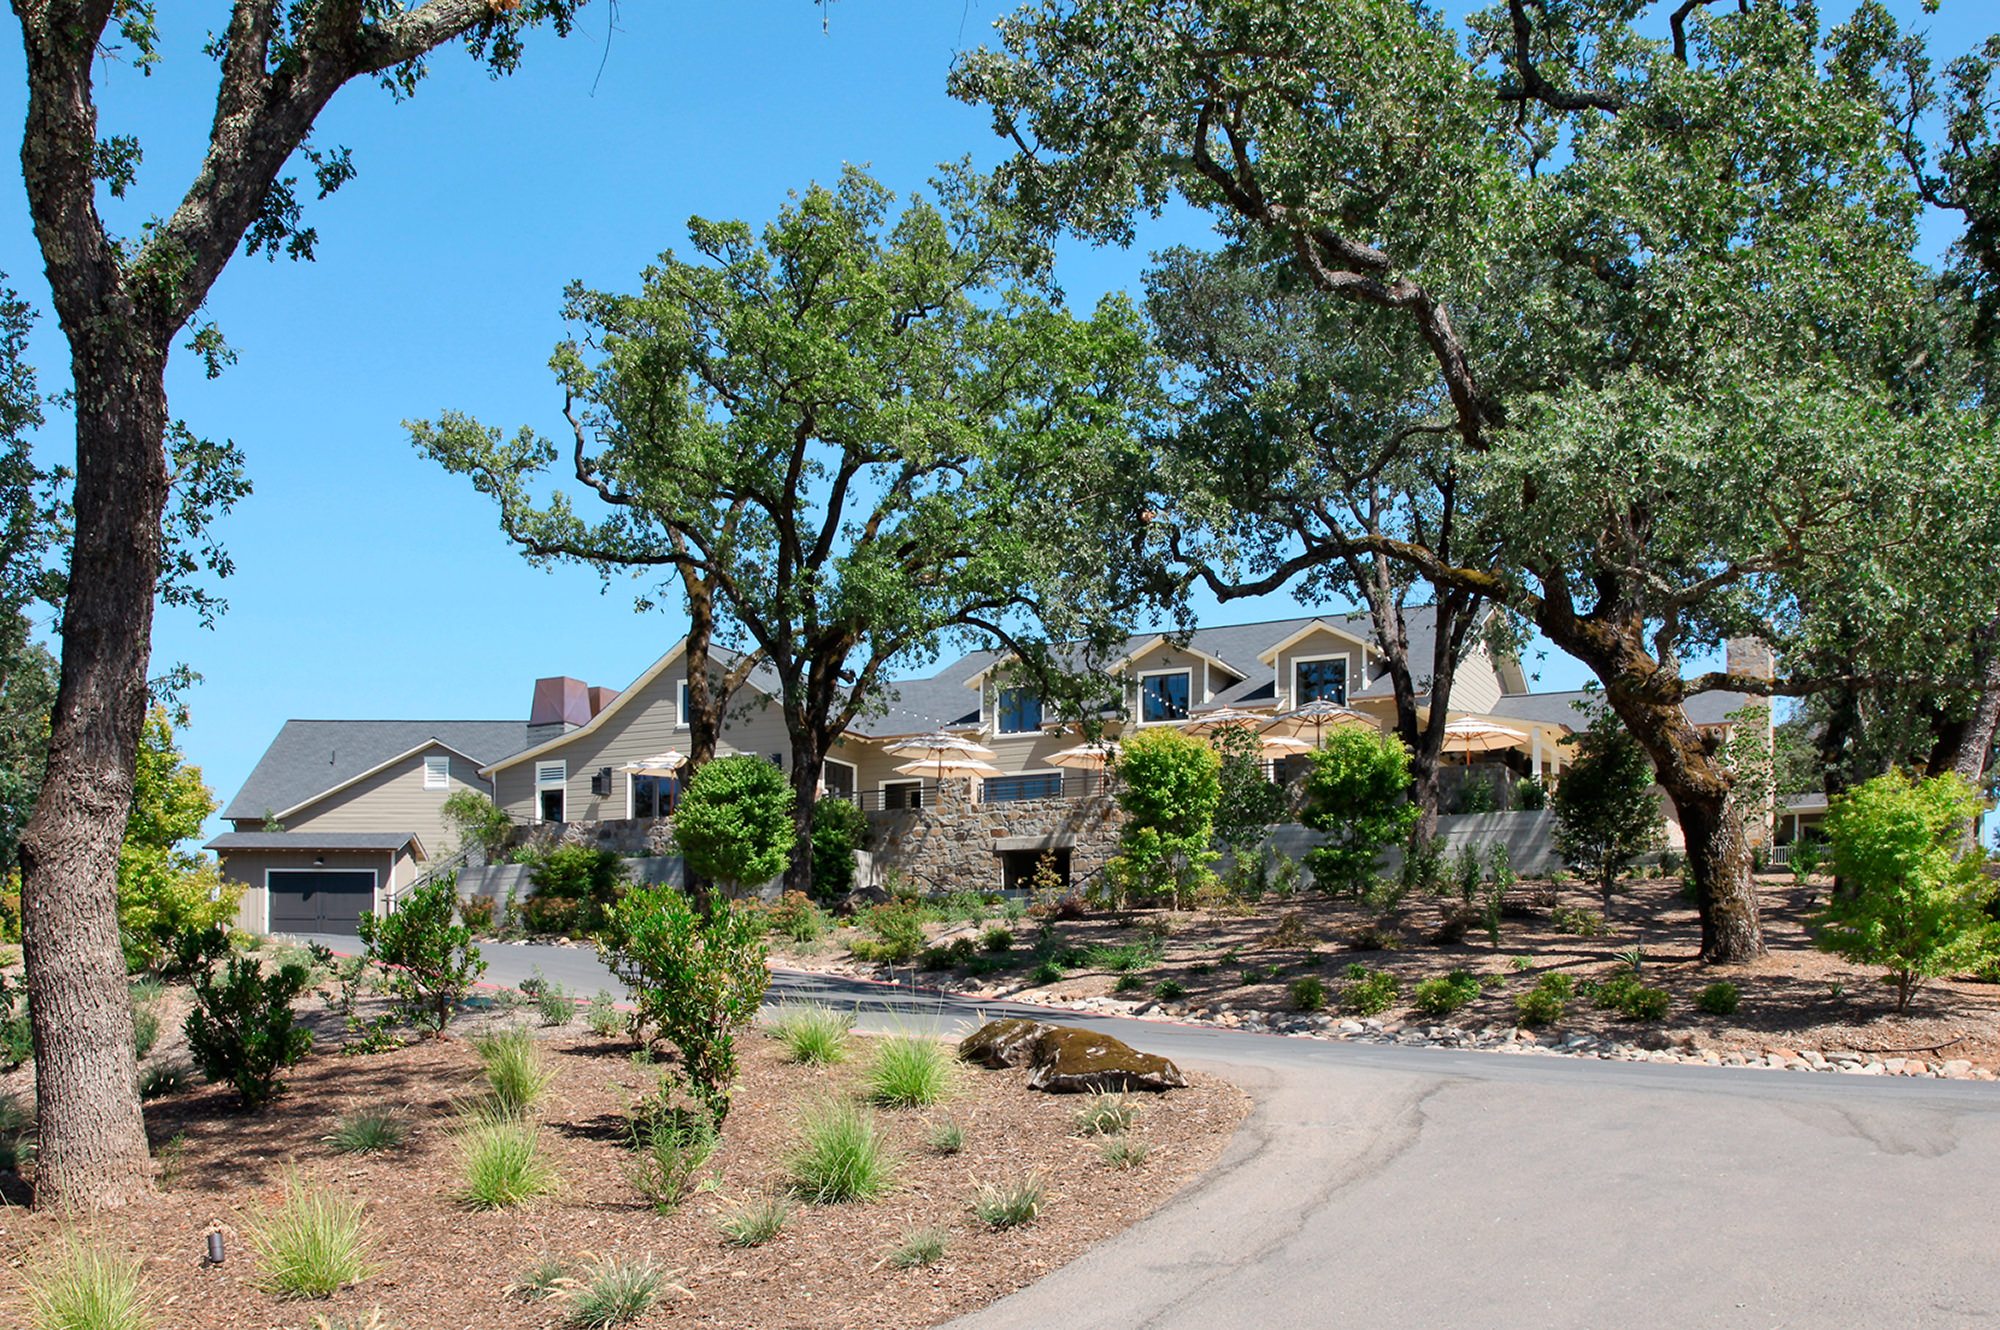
(854, 773)
(999, 711)
(681, 706)
(1347, 674)
(443, 781)
(883, 787)
(374, 899)
(1139, 710)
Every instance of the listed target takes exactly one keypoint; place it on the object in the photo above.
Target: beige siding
(249, 867)
(394, 799)
(1319, 644)
(1476, 687)
(645, 724)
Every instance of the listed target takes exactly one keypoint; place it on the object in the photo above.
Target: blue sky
(369, 583)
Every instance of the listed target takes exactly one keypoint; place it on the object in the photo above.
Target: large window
(654, 796)
(1164, 697)
(837, 778)
(1321, 681)
(1020, 711)
(550, 778)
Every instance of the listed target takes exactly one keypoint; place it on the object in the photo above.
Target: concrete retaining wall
(1529, 838)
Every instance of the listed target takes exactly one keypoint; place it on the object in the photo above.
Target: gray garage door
(319, 900)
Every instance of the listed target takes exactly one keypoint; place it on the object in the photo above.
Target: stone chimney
(561, 704)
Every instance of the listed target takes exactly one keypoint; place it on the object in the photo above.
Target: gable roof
(1269, 655)
(1561, 708)
(305, 842)
(311, 758)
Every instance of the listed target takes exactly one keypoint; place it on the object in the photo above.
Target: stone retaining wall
(954, 844)
(624, 835)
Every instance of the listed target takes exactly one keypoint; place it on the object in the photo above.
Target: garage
(319, 900)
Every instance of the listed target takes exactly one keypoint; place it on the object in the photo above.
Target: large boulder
(1069, 1060)
(1003, 1043)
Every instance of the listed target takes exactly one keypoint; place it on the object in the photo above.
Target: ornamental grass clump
(755, 1222)
(840, 1155)
(673, 1144)
(920, 1247)
(1105, 1113)
(74, 1286)
(368, 1131)
(1010, 1204)
(612, 1292)
(910, 1071)
(813, 1035)
(517, 1074)
(503, 1166)
(313, 1245)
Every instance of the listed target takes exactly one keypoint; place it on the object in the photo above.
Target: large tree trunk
(92, 1141)
(1965, 746)
(807, 765)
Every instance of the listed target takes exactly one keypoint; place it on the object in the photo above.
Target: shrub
(1577, 922)
(1718, 999)
(946, 1137)
(1248, 801)
(920, 1247)
(312, 1246)
(1046, 971)
(575, 887)
(813, 1035)
(1607, 815)
(697, 974)
(1804, 859)
(479, 822)
(164, 890)
(517, 1075)
(1123, 1152)
(997, 939)
(165, 1078)
(555, 1006)
(1009, 1204)
(1369, 993)
(839, 829)
(1530, 795)
(1104, 1114)
(898, 929)
(754, 1222)
(604, 1018)
(673, 1147)
(476, 913)
(242, 1029)
(1308, 994)
(1122, 959)
(1169, 785)
(795, 916)
(369, 1131)
(1444, 994)
(1169, 990)
(734, 825)
(1624, 994)
(1914, 898)
(77, 1287)
(1544, 1003)
(503, 1166)
(840, 1155)
(1356, 794)
(909, 1071)
(145, 1031)
(429, 961)
(613, 1292)
(542, 1280)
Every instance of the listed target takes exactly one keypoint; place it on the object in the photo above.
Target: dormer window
(1163, 697)
(1018, 711)
(1322, 680)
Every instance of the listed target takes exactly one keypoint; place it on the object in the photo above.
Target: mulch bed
(440, 1266)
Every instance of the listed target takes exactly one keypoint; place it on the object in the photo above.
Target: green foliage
(1010, 1204)
(1576, 921)
(554, 1005)
(1626, 995)
(574, 889)
(734, 824)
(910, 1071)
(163, 890)
(1914, 897)
(1718, 999)
(898, 930)
(997, 939)
(673, 1146)
(428, 959)
(74, 1286)
(1104, 1113)
(1441, 995)
(313, 1245)
(813, 1035)
(1262, 871)
(1308, 994)
(603, 1017)
(477, 913)
(517, 1074)
(840, 1155)
(1125, 958)
(369, 1131)
(479, 822)
(165, 1078)
(945, 1137)
(839, 829)
(1544, 1003)
(755, 1222)
(502, 1165)
(1500, 879)
(1606, 813)
(1123, 1152)
(697, 975)
(797, 916)
(920, 1247)
(242, 1028)
(1249, 802)
(1357, 793)
(1169, 990)
(613, 1292)
(1369, 993)
(1530, 795)
(1804, 859)
(1169, 784)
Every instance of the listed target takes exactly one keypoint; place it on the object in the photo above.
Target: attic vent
(551, 773)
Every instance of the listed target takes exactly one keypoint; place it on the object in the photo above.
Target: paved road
(1386, 1188)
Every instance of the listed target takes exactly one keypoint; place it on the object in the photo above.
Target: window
(437, 772)
(550, 777)
(654, 796)
(681, 706)
(549, 805)
(902, 794)
(1006, 789)
(1020, 711)
(837, 779)
(1163, 697)
(1320, 681)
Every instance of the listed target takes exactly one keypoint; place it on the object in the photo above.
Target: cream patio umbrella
(1212, 721)
(1094, 756)
(1318, 717)
(945, 767)
(662, 764)
(938, 744)
(1282, 745)
(1467, 736)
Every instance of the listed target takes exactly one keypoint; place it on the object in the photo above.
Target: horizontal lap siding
(249, 866)
(394, 800)
(1319, 644)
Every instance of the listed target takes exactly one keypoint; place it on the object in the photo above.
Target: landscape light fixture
(215, 1249)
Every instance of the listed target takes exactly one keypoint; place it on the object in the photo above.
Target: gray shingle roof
(310, 757)
(1560, 708)
(308, 841)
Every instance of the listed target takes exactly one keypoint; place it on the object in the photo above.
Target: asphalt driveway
(1386, 1188)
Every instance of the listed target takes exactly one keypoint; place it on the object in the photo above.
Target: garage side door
(319, 900)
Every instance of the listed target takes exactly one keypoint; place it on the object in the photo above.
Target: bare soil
(1231, 963)
(440, 1266)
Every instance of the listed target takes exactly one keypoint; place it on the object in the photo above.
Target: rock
(1068, 1060)
(1002, 1043)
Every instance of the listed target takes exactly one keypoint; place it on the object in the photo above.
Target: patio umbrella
(663, 764)
(1317, 717)
(938, 744)
(1469, 736)
(1211, 721)
(950, 768)
(1282, 745)
(1085, 757)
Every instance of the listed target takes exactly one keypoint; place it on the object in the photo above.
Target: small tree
(575, 886)
(1169, 784)
(839, 829)
(735, 823)
(164, 890)
(242, 1029)
(1250, 803)
(480, 823)
(1358, 794)
(696, 972)
(1915, 899)
(1606, 812)
(428, 958)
